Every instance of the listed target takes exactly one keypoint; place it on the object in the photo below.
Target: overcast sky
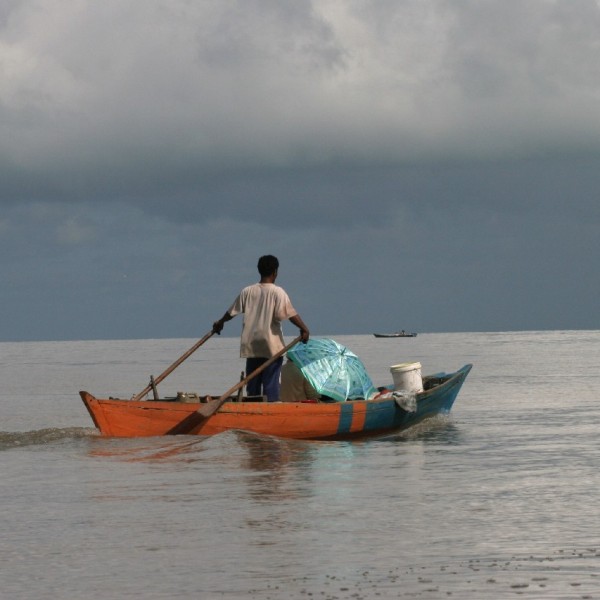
(428, 165)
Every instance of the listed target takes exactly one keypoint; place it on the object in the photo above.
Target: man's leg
(254, 386)
(270, 380)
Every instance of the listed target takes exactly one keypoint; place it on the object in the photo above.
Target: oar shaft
(260, 369)
(212, 407)
(168, 371)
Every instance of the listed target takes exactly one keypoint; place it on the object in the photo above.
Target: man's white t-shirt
(265, 306)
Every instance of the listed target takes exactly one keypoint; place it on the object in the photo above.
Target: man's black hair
(267, 265)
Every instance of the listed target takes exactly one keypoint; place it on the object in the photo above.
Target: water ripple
(50, 435)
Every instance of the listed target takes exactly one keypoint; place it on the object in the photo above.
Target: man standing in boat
(264, 305)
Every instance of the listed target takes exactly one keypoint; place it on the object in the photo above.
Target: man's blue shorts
(267, 381)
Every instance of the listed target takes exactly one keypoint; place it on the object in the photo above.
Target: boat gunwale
(258, 407)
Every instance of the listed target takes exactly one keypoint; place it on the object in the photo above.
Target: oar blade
(195, 419)
(210, 408)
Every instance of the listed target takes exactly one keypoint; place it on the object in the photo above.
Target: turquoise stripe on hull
(345, 422)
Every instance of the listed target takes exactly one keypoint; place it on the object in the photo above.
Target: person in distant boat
(294, 385)
(264, 305)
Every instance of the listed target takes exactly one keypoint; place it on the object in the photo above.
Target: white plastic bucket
(407, 377)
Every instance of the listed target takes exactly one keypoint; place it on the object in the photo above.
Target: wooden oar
(209, 409)
(212, 407)
(155, 381)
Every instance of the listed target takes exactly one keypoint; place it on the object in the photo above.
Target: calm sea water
(498, 500)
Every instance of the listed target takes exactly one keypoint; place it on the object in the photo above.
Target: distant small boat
(391, 335)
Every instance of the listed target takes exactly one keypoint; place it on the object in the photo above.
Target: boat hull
(298, 420)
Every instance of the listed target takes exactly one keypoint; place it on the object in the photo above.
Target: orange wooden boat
(299, 420)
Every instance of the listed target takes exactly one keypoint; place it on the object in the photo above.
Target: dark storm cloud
(444, 153)
(134, 101)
